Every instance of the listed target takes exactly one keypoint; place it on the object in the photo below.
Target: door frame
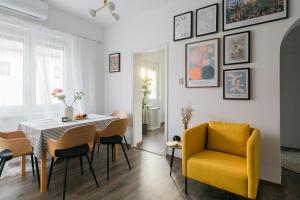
(138, 130)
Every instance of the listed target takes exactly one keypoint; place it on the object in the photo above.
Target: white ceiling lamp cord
(106, 4)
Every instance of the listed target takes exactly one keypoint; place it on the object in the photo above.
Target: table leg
(23, 166)
(171, 163)
(43, 179)
(116, 152)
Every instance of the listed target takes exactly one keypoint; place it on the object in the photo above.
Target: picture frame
(236, 84)
(256, 14)
(237, 48)
(202, 64)
(114, 62)
(207, 20)
(183, 26)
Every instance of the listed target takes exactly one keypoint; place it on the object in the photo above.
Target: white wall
(155, 28)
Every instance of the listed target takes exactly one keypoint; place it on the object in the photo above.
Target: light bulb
(111, 6)
(92, 13)
(116, 16)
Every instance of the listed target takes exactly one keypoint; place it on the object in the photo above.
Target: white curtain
(34, 60)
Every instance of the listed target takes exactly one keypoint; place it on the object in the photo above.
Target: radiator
(153, 118)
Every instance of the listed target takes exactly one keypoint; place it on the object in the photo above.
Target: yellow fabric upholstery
(230, 172)
(228, 137)
(225, 171)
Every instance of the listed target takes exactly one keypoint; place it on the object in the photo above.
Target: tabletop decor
(207, 20)
(237, 13)
(114, 62)
(186, 116)
(202, 64)
(236, 84)
(236, 48)
(60, 95)
(183, 26)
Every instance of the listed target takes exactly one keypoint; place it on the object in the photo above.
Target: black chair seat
(72, 152)
(116, 139)
(6, 154)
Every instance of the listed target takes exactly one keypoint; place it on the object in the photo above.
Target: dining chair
(110, 136)
(75, 142)
(14, 145)
(121, 115)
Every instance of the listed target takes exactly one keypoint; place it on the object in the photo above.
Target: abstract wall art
(202, 64)
(236, 84)
(207, 20)
(114, 62)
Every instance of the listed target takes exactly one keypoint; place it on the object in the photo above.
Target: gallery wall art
(183, 26)
(236, 84)
(236, 48)
(114, 62)
(242, 13)
(207, 20)
(202, 64)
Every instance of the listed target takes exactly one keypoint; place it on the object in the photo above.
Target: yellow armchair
(223, 155)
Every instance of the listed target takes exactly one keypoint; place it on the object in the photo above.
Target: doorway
(149, 100)
(289, 99)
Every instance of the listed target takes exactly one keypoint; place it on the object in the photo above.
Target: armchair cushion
(228, 137)
(225, 171)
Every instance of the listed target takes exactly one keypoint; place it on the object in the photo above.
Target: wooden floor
(148, 180)
(154, 142)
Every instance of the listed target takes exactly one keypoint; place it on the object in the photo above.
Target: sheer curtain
(34, 60)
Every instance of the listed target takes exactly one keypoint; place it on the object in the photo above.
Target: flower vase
(69, 111)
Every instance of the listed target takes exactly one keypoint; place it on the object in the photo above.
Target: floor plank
(148, 180)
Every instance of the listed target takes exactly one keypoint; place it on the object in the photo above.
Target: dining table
(40, 130)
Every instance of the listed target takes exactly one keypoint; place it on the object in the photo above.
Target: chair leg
(126, 156)
(107, 164)
(80, 158)
(50, 173)
(93, 152)
(112, 152)
(98, 148)
(185, 190)
(65, 182)
(32, 164)
(93, 172)
(126, 143)
(2, 166)
(37, 170)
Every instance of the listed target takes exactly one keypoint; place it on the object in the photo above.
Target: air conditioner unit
(37, 9)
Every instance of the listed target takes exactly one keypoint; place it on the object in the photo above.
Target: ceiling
(125, 8)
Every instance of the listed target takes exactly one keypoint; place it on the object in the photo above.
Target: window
(49, 71)
(11, 71)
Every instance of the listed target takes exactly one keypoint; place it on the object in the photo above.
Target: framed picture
(207, 20)
(242, 13)
(236, 84)
(183, 26)
(114, 62)
(202, 64)
(236, 48)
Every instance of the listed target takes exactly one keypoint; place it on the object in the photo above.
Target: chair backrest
(120, 114)
(77, 136)
(116, 127)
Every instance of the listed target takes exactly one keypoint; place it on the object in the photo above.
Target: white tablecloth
(38, 131)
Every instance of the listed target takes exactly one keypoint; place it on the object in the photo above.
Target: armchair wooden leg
(185, 190)
(23, 166)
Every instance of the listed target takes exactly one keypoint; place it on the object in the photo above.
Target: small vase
(69, 112)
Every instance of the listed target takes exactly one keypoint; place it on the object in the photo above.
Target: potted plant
(145, 99)
(60, 95)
